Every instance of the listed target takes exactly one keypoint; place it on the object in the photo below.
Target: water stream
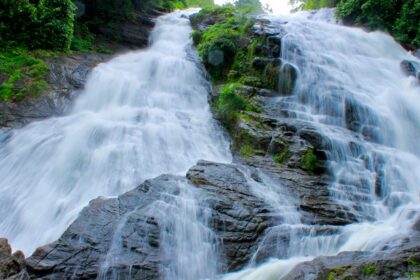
(351, 89)
(146, 113)
(142, 114)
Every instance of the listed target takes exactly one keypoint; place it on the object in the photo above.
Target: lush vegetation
(230, 104)
(29, 29)
(308, 161)
(21, 75)
(48, 24)
(398, 17)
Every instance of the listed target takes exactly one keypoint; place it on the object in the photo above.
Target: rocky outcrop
(12, 266)
(402, 263)
(411, 68)
(68, 75)
(123, 235)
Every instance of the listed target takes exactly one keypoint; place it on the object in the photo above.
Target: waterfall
(351, 89)
(142, 114)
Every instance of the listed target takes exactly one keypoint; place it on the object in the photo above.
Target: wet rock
(401, 263)
(287, 81)
(12, 266)
(411, 68)
(262, 62)
(68, 74)
(122, 236)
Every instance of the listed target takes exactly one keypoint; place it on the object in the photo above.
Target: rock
(12, 266)
(262, 62)
(68, 74)
(411, 68)
(127, 230)
(400, 263)
(288, 78)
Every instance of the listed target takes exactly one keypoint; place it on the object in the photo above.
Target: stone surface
(12, 266)
(67, 76)
(402, 263)
(238, 219)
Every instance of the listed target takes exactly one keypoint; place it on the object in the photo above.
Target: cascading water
(351, 89)
(142, 114)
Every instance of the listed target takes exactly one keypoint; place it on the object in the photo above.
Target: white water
(142, 114)
(375, 161)
(146, 113)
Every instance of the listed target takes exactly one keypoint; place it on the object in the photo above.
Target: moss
(246, 151)
(415, 275)
(336, 272)
(308, 161)
(230, 104)
(281, 157)
(369, 270)
(24, 75)
(413, 262)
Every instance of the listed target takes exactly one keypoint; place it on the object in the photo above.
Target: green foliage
(400, 18)
(249, 6)
(83, 38)
(48, 24)
(308, 161)
(246, 151)
(413, 262)
(230, 104)
(407, 26)
(313, 4)
(21, 75)
(220, 44)
(415, 275)
(200, 3)
(336, 272)
(280, 158)
(369, 270)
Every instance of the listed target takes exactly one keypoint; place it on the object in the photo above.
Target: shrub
(231, 103)
(308, 161)
(47, 24)
(23, 75)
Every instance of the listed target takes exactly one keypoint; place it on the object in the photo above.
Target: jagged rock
(238, 219)
(393, 264)
(411, 68)
(12, 266)
(288, 76)
(67, 75)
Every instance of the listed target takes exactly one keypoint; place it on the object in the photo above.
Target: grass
(308, 161)
(22, 74)
(246, 151)
(280, 158)
(369, 270)
(230, 104)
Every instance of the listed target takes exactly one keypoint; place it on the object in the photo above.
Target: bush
(21, 75)
(230, 104)
(308, 161)
(46, 25)
(400, 18)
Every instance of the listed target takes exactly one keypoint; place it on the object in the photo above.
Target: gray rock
(238, 219)
(411, 68)
(12, 266)
(67, 75)
(399, 263)
(287, 81)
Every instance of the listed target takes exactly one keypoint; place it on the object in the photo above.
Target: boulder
(12, 266)
(123, 236)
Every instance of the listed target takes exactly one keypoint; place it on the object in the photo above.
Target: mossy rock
(288, 75)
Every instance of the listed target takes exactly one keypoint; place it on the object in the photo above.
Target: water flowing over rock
(142, 114)
(328, 191)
